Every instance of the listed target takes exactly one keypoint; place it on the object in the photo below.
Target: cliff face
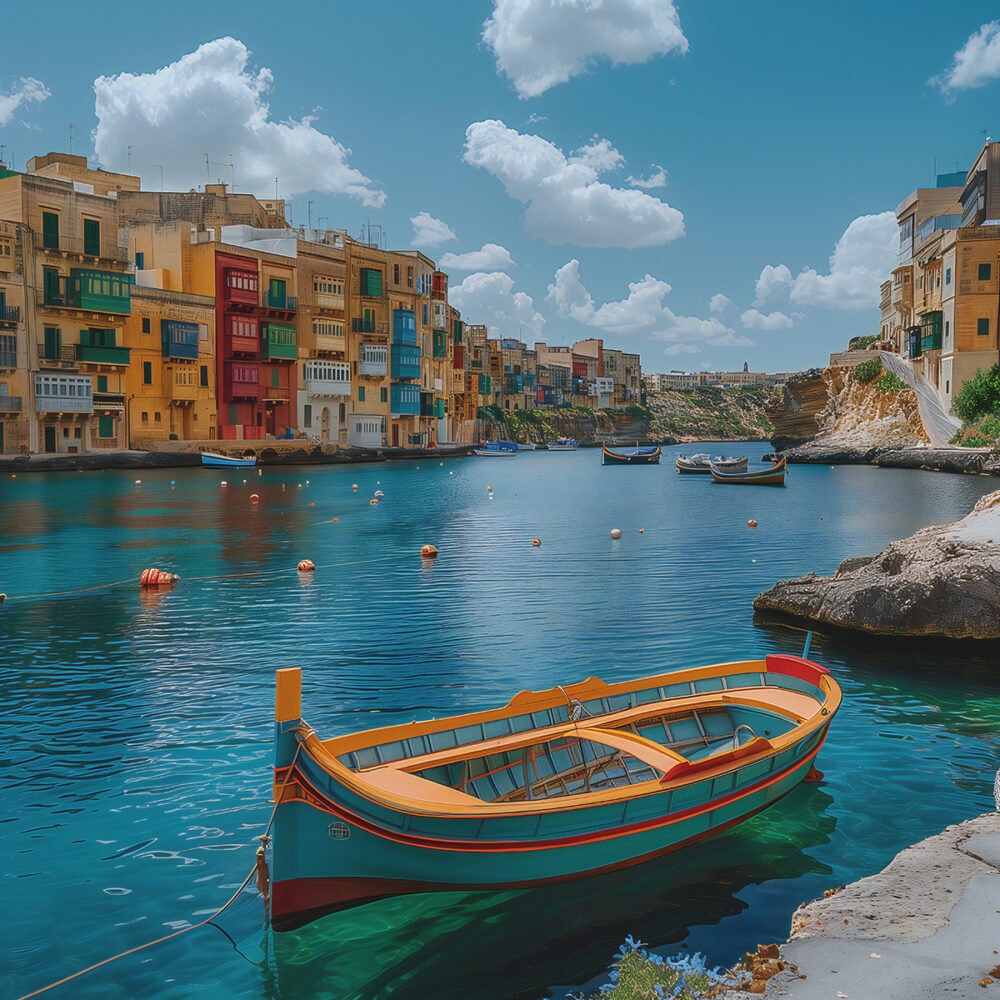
(697, 415)
(828, 411)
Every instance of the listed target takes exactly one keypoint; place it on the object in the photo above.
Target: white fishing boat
(563, 444)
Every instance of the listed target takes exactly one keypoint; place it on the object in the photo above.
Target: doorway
(50, 438)
(325, 426)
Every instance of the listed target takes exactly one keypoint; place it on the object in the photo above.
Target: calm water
(135, 760)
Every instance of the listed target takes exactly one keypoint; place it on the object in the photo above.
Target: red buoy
(536, 542)
(157, 578)
(751, 523)
(429, 552)
(306, 566)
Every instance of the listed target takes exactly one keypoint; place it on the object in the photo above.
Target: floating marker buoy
(374, 501)
(244, 482)
(138, 482)
(451, 473)
(306, 566)
(254, 498)
(354, 486)
(616, 533)
(299, 484)
(223, 483)
(310, 505)
(173, 482)
(157, 578)
(307, 482)
(3, 597)
(379, 494)
(429, 552)
(336, 519)
(751, 523)
(536, 542)
(489, 489)
(642, 531)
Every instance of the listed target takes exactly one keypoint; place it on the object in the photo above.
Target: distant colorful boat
(631, 456)
(216, 461)
(525, 447)
(558, 784)
(496, 449)
(563, 444)
(700, 464)
(773, 476)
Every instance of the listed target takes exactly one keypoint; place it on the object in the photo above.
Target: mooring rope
(259, 869)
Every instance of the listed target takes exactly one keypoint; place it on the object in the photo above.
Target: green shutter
(53, 343)
(106, 427)
(50, 230)
(92, 237)
(147, 372)
(204, 375)
(275, 378)
(384, 395)
(361, 393)
(102, 383)
(50, 284)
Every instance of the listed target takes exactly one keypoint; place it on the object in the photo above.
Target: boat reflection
(518, 944)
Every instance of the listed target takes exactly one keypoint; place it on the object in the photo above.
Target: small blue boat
(497, 449)
(214, 460)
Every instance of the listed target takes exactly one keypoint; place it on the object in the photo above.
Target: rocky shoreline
(941, 582)
(963, 461)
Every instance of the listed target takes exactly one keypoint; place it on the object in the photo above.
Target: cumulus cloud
(773, 283)
(861, 261)
(489, 297)
(430, 232)
(757, 320)
(657, 179)
(975, 64)
(642, 310)
(541, 43)
(211, 101)
(719, 303)
(566, 201)
(491, 257)
(27, 89)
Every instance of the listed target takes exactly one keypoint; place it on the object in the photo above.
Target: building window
(307, 415)
(145, 418)
(361, 393)
(325, 285)
(156, 417)
(275, 378)
(947, 276)
(204, 375)
(147, 373)
(6, 250)
(102, 383)
(395, 274)
(50, 230)
(145, 324)
(384, 395)
(983, 327)
(140, 260)
(409, 277)
(105, 427)
(233, 413)
(53, 343)
(92, 238)
(984, 272)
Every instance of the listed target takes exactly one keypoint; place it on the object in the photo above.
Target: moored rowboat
(631, 456)
(215, 460)
(701, 464)
(773, 476)
(557, 784)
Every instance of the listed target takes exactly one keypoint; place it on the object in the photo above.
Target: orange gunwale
(325, 752)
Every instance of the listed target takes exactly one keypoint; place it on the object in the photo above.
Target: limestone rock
(942, 581)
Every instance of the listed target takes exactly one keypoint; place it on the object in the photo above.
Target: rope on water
(263, 883)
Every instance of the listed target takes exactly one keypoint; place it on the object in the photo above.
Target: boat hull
(213, 461)
(609, 457)
(328, 875)
(775, 476)
(493, 453)
(703, 469)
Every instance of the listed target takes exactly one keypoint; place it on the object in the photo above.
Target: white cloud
(861, 261)
(489, 297)
(541, 43)
(657, 179)
(719, 303)
(774, 282)
(209, 101)
(430, 232)
(27, 89)
(757, 320)
(492, 257)
(643, 310)
(975, 64)
(566, 202)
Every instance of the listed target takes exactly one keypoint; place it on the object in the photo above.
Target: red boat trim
(299, 901)
(795, 666)
(514, 846)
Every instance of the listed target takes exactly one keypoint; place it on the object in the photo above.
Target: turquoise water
(137, 728)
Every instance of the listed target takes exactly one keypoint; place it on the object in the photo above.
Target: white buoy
(138, 482)
(616, 533)
(223, 483)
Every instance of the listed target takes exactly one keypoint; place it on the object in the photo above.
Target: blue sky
(778, 124)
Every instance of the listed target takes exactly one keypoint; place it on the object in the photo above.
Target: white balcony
(64, 394)
(373, 360)
(328, 378)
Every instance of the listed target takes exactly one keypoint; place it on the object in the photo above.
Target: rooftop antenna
(275, 188)
(208, 174)
(130, 148)
(309, 211)
(71, 138)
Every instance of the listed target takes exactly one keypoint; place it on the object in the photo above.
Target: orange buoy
(306, 566)
(429, 552)
(374, 501)
(310, 505)
(254, 498)
(489, 489)
(354, 486)
(157, 578)
(536, 542)
(751, 523)
(336, 519)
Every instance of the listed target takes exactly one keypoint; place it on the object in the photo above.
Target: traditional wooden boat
(558, 784)
(215, 460)
(631, 456)
(496, 450)
(563, 444)
(700, 464)
(773, 476)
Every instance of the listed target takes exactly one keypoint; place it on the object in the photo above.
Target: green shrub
(862, 343)
(973, 440)
(866, 371)
(979, 396)
(890, 383)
